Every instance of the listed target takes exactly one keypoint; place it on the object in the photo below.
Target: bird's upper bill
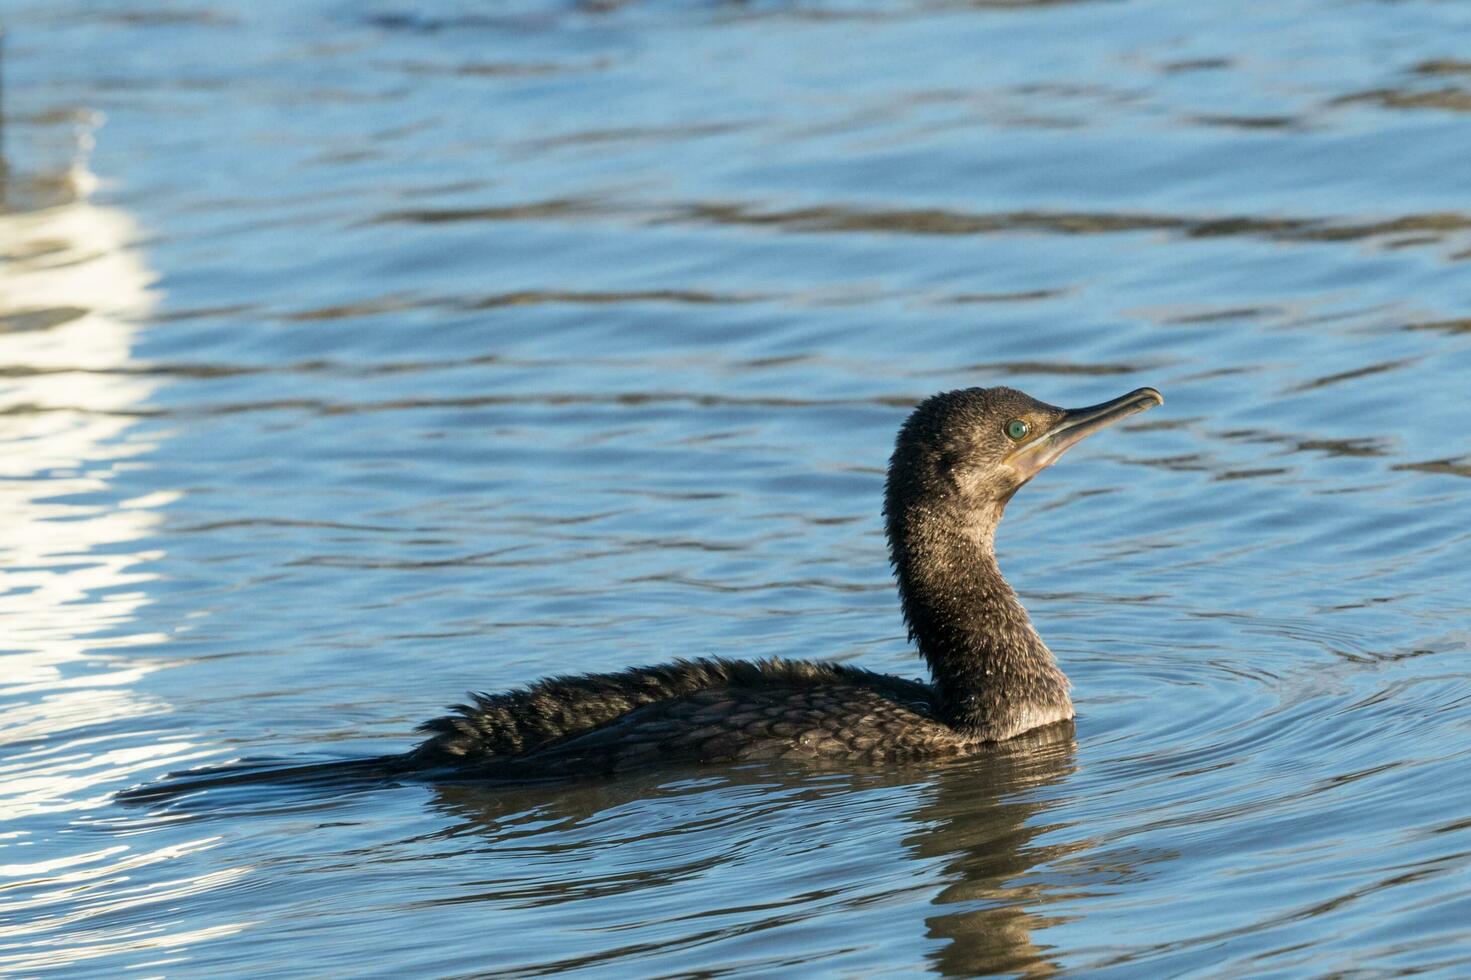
(1075, 425)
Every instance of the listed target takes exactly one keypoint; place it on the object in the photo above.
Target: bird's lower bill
(1076, 425)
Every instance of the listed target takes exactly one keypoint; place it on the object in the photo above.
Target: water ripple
(385, 353)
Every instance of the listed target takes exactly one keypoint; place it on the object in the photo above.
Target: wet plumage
(956, 463)
(710, 710)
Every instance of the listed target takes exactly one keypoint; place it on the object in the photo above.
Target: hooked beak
(1076, 425)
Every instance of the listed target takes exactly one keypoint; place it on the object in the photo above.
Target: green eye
(1017, 429)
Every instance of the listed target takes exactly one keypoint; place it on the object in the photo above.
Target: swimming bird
(957, 461)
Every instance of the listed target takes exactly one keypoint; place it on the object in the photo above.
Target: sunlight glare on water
(356, 355)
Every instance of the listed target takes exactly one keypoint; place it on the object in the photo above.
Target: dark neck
(994, 674)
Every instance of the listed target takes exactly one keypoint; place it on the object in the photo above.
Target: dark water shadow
(979, 818)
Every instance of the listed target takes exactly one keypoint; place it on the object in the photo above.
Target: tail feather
(273, 772)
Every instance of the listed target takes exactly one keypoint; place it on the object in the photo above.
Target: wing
(849, 722)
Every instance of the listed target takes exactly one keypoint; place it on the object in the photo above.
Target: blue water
(356, 355)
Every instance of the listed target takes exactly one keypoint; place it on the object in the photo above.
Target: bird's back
(694, 710)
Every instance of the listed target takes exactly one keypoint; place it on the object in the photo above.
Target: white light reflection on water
(64, 419)
(72, 285)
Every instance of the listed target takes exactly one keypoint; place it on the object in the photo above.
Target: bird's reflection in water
(973, 826)
(982, 820)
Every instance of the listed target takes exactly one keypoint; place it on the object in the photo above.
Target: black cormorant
(958, 459)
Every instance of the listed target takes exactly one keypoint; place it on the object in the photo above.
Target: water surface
(355, 355)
